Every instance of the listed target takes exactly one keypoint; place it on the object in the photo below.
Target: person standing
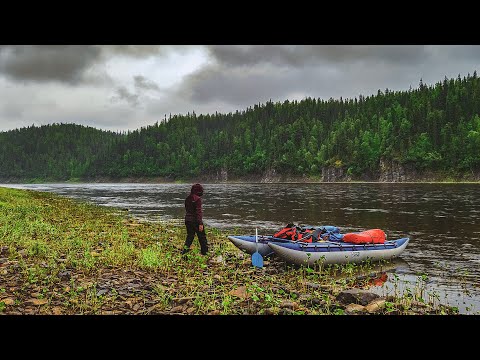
(194, 220)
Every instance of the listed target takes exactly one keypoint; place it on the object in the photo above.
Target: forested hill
(432, 128)
(52, 152)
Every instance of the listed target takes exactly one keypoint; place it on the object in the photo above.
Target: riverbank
(60, 256)
(160, 180)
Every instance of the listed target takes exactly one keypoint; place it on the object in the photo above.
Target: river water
(442, 221)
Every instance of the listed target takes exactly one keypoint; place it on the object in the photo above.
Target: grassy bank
(60, 256)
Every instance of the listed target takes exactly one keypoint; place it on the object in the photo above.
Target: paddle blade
(257, 260)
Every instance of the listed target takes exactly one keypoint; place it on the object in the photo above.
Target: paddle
(257, 259)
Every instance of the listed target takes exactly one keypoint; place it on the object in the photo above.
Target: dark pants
(192, 228)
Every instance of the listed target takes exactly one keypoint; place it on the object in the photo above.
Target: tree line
(432, 127)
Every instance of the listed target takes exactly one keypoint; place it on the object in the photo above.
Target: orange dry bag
(373, 236)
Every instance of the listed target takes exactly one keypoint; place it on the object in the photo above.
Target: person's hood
(197, 189)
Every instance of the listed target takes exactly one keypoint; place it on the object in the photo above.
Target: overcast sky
(121, 87)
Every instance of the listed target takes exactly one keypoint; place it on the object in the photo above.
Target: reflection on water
(442, 220)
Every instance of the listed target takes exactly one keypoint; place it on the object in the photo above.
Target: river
(442, 221)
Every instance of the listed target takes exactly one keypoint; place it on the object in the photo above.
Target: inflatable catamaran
(325, 244)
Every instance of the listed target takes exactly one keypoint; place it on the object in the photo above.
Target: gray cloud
(123, 94)
(137, 51)
(23, 105)
(143, 51)
(232, 86)
(12, 110)
(68, 63)
(301, 55)
(457, 52)
(39, 63)
(142, 83)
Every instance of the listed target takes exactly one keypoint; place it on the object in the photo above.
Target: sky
(126, 87)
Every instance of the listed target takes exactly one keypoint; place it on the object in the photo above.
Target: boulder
(356, 296)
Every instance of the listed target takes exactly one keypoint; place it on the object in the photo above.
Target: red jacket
(193, 205)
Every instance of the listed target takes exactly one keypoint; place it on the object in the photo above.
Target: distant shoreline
(159, 180)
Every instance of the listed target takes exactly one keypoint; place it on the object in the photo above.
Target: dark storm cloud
(300, 55)
(41, 63)
(66, 63)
